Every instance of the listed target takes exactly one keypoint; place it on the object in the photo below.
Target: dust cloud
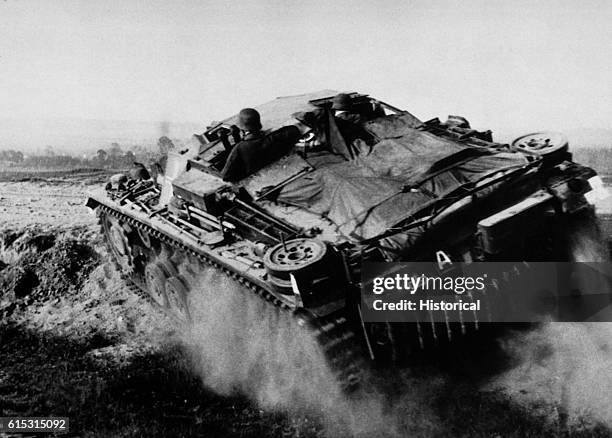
(566, 365)
(240, 344)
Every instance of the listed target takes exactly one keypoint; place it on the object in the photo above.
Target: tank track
(499, 288)
(333, 333)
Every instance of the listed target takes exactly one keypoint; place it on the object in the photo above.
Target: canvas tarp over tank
(365, 197)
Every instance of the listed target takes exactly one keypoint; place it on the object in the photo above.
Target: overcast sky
(498, 63)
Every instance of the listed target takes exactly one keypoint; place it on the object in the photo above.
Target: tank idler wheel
(177, 293)
(155, 278)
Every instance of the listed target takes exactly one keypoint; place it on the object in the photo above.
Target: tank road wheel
(177, 293)
(168, 266)
(145, 238)
(155, 279)
(118, 244)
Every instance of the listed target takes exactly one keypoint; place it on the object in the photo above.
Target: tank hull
(296, 231)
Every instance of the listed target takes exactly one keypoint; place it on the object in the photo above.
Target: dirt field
(76, 342)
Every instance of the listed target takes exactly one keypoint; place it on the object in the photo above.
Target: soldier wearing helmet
(350, 119)
(249, 122)
(343, 107)
(254, 149)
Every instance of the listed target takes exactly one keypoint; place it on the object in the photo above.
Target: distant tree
(48, 151)
(15, 156)
(114, 151)
(12, 156)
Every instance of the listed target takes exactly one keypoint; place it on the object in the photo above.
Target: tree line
(112, 157)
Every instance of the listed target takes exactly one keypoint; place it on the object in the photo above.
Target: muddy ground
(75, 341)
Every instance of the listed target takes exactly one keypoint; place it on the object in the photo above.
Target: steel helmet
(342, 102)
(249, 120)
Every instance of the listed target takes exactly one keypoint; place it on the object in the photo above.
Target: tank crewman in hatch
(256, 150)
(350, 120)
(343, 107)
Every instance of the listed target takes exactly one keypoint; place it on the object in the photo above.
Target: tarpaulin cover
(364, 197)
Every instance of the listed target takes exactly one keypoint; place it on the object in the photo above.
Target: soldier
(344, 109)
(350, 120)
(256, 150)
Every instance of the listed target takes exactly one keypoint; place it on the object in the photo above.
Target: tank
(383, 186)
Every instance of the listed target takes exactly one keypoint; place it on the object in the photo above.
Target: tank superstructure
(296, 232)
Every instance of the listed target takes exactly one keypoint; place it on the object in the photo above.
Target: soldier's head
(249, 120)
(342, 102)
